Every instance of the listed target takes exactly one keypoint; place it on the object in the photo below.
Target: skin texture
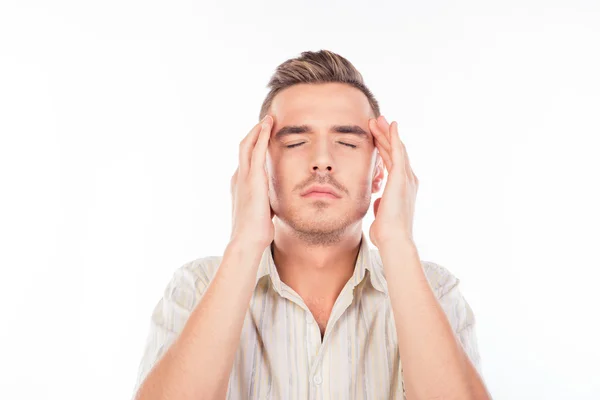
(317, 240)
(315, 243)
(434, 363)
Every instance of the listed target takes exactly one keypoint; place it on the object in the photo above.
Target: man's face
(322, 156)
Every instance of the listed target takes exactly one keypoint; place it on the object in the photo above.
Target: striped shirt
(281, 355)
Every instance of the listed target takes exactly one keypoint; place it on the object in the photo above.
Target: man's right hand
(252, 215)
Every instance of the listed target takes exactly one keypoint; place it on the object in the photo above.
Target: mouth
(323, 195)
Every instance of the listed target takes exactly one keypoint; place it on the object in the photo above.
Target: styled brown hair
(316, 67)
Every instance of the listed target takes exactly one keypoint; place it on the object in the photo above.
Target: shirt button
(317, 379)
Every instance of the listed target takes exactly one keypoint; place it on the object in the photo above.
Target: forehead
(325, 101)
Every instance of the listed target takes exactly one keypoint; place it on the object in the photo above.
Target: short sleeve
(462, 319)
(171, 313)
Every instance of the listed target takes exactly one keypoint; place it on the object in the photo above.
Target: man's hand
(394, 211)
(252, 215)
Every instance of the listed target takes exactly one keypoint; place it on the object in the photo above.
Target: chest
(321, 312)
(289, 352)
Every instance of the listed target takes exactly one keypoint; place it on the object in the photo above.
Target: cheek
(360, 178)
(358, 168)
(288, 167)
(282, 179)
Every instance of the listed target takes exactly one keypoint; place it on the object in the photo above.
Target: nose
(322, 171)
(323, 161)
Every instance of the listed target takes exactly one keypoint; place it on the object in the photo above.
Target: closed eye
(298, 144)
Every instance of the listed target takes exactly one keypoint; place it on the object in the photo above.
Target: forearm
(434, 363)
(199, 362)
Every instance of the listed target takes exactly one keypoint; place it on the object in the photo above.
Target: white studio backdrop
(120, 123)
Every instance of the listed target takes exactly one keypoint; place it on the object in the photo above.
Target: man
(299, 306)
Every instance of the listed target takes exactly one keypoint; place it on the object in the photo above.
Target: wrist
(246, 248)
(397, 246)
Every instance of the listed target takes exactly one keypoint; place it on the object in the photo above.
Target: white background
(120, 122)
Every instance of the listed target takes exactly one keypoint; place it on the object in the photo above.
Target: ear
(378, 175)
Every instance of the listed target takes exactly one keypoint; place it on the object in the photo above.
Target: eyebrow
(295, 129)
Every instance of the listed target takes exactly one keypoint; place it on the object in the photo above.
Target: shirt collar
(368, 260)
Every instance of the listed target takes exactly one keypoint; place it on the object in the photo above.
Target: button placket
(311, 337)
(317, 379)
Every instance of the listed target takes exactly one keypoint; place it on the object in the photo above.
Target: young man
(299, 307)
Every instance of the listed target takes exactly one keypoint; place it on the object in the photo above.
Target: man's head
(321, 106)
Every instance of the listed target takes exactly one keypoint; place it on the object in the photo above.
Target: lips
(320, 195)
(320, 189)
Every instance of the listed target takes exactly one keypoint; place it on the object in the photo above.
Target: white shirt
(280, 355)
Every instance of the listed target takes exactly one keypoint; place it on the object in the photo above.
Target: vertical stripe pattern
(281, 356)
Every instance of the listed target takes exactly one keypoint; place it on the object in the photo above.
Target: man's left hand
(394, 211)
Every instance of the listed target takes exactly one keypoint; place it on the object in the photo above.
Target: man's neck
(317, 273)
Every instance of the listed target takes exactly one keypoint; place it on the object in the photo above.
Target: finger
(396, 135)
(379, 135)
(385, 128)
(246, 147)
(398, 151)
(383, 149)
(233, 190)
(387, 159)
(234, 181)
(260, 150)
(404, 152)
(382, 144)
